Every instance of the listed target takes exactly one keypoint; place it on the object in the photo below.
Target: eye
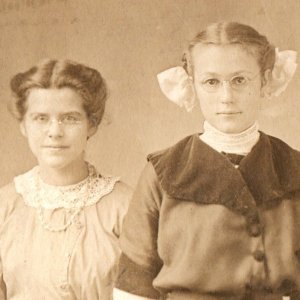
(40, 118)
(239, 80)
(211, 82)
(70, 119)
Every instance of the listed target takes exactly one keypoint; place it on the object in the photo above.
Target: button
(267, 288)
(258, 255)
(253, 218)
(254, 230)
(287, 287)
(78, 225)
(244, 209)
(64, 286)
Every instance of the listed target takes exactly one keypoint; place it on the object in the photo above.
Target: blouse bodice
(79, 262)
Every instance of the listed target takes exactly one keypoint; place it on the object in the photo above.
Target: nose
(55, 129)
(226, 93)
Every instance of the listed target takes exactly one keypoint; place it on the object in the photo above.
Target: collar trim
(193, 171)
(85, 193)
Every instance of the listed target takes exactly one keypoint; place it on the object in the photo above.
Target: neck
(238, 143)
(68, 175)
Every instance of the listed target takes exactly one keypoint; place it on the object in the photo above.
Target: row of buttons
(254, 228)
(64, 286)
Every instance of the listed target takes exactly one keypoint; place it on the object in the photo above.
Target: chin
(59, 162)
(54, 163)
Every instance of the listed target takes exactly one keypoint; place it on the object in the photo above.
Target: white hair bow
(178, 86)
(282, 73)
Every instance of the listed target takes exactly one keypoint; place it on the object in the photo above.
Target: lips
(55, 147)
(229, 113)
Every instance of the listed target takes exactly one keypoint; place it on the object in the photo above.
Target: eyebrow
(61, 113)
(232, 74)
(34, 113)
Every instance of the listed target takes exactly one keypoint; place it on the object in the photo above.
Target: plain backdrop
(129, 42)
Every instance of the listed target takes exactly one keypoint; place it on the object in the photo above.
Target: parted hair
(225, 33)
(86, 81)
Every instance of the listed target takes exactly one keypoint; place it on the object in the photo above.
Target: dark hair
(86, 81)
(226, 33)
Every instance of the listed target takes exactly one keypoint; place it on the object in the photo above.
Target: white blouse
(44, 255)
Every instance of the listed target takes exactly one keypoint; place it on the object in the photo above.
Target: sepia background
(129, 42)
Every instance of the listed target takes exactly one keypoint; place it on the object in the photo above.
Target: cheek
(198, 91)
(207, 104)
(80, 137)
(208, 112)
(34, 137)
(34, 142)
(253, 108)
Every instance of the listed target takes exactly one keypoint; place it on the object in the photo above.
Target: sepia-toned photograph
(149, 150)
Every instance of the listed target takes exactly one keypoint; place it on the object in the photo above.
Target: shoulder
(122, 190)
(175, 151)
(8, 190)
(172, 161)
(9, 200)
(8, 195)
(284, 152)
(114, 206)
(280, 144)
(121, 196)
(177, 166)
(117, 198)
(286, 163)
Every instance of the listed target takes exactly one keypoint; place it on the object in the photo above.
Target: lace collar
(38, 194)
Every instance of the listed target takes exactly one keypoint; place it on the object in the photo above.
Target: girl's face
(228, 85)
(57, 127)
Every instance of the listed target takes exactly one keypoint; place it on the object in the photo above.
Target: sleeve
(2, 284)
(121, 295)
(4, 211)
(140, 262)
(122, 201)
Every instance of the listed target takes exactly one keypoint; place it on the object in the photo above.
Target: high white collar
(238, 143)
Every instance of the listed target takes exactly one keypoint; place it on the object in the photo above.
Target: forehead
(223, 59)
(54, 100)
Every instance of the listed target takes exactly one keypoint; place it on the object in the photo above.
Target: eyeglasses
(65, 120)
(237, 83)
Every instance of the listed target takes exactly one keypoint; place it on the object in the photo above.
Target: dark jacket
(198, 228)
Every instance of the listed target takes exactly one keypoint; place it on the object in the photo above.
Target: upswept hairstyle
(226, 33)
(86, 81)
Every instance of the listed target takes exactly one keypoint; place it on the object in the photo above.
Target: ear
(265, 83)
(266, 77)
(23, 129)
(92, 130)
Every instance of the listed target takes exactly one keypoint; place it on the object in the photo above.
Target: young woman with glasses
(217, 216)
(60, 221)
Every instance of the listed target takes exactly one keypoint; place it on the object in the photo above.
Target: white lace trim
(38, 194)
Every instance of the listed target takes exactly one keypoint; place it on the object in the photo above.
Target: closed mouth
(55, 147)
(229, 113)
